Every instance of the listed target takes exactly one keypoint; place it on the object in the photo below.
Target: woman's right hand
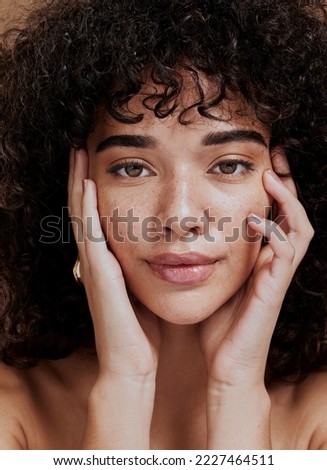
(121, 401)
(127, 341)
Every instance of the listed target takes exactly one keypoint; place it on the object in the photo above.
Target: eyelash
(247, 167)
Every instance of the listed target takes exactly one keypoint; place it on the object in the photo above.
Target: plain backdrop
(11, 10)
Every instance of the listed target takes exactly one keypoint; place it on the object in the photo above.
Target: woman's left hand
(235, 340)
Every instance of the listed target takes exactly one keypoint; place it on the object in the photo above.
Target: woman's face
(174, 200)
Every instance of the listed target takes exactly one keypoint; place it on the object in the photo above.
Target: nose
(183, 212)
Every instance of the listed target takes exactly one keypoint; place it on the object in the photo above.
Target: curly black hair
(72, 55)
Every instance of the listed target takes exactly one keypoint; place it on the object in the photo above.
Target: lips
(184, 268)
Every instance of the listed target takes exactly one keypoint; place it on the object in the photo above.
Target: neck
(181, 388)
(179, 347)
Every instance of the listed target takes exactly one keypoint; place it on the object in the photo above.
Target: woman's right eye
(132, 169)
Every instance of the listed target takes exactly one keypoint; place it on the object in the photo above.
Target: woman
(177, 117)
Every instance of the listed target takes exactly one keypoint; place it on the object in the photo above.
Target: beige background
(12, 9)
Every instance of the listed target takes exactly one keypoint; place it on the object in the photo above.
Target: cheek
(126, 225)
(240, 241)
(254, 199)
(230, 215)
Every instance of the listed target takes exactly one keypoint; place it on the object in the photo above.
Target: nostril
(167, 234)
(167, 230)
(174, 232)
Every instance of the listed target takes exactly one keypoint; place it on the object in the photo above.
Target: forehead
(231, 112)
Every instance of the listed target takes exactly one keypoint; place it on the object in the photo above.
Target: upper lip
(175, 259)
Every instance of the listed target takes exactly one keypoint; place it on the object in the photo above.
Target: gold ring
(77, 272)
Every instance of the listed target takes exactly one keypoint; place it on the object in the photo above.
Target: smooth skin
(169, 375)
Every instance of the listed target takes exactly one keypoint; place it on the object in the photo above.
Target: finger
(79, 172)
(276, 237)
(281, 167)
(70, 173)
(278, 261)
(299, 230)
(113, 313)
(94, 239)
(103, 267)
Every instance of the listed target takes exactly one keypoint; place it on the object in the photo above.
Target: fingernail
(273, 175)
(254, 218)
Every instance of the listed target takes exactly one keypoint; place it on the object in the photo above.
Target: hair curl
(72, 55)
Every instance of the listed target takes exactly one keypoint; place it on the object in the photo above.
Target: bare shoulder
(299, 413)
(312, 403)
(15, 404)
(44, 407)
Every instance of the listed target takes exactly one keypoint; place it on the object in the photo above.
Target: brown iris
(228, 167)
(133, 169)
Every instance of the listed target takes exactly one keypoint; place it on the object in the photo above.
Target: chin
(182, 319)
(183, 313)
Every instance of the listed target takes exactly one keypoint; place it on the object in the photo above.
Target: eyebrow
(223, 137)
(214, 138)
(138, 141)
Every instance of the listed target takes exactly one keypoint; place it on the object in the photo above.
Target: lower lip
(184, 273)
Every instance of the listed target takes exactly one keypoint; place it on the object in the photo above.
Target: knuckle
(307, 232)
(310, 232)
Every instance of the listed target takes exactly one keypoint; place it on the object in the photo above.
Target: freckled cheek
(230, 218)
(123, 218)
(261, 204)
(242, 243)
(256, 200)
(124, 233)
(234, 212)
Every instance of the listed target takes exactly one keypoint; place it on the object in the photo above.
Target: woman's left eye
(132, 169)
(233, 167)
